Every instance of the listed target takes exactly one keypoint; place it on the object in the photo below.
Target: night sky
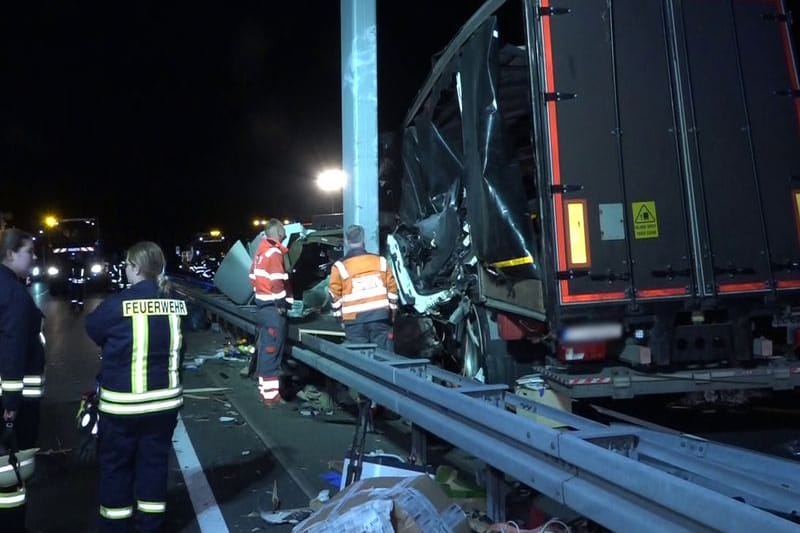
(164, 119)
(168, 118)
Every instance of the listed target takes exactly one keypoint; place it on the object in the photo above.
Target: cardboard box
(416, 505)
(536, 389)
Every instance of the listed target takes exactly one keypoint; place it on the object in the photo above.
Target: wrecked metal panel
(460, 168)
(232, 277)
(497, 211)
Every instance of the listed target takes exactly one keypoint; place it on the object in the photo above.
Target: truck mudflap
(673, 143)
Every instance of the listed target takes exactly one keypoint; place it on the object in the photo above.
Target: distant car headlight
(96, 268)
(52, 271)
(35, 272)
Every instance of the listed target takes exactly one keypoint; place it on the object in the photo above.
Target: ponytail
(164, 284)
(151, 262)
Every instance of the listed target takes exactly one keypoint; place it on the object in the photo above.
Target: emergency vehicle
(72, 254)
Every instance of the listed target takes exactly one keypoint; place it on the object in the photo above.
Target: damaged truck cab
(596, 185)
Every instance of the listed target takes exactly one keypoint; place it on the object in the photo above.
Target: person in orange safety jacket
(273, 296)
(363, 293)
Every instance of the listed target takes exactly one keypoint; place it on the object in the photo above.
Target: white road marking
(209, 516)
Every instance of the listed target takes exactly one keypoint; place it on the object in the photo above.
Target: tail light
(582, 351)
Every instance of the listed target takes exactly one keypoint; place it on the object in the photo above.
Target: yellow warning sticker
(645, 220)
(526, 260)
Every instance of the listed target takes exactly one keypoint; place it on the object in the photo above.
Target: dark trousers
(76, 293)
(134, 454)
(378, 333)
(271, 338)
(26, 426)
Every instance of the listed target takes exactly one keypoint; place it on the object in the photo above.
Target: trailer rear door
(674, 148)
(614, 153)
(742, 119)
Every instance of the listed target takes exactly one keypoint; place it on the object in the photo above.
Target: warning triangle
(645, 216)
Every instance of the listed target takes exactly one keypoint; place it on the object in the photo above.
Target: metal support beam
(360, 116)
(419, 444)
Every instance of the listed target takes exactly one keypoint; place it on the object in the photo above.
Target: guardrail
(623, 477)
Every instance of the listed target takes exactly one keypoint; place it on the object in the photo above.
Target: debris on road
(276, 501)
(289, 516)
(388, 505)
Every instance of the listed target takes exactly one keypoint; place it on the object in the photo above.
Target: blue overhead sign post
(360, 117)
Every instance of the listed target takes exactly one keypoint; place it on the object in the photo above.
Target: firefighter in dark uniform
(139, 330)
(76, 280)
(21, 364)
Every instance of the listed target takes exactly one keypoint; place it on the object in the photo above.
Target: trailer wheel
(473, 344)
(483, 355)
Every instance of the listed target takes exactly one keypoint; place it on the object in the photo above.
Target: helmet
(26, 462)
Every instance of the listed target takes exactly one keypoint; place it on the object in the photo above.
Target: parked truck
(607, 193)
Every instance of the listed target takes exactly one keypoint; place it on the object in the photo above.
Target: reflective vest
(268, 274)
(140, 333)
(362, 288)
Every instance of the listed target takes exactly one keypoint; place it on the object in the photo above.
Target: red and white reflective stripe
(342, 270)
(272, 251)
(268, 387)
(270, 394)
(588, 381)
(268, 383)
(383, 264)
(261, 273)
(270, 297)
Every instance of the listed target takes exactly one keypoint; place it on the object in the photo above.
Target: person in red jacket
(273, 296)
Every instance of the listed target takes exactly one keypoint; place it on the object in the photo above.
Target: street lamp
(331, 181)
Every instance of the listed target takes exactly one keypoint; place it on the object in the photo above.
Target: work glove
(87, 419)
(87, 449)
(282, 307)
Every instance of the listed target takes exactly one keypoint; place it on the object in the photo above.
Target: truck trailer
(606, 192)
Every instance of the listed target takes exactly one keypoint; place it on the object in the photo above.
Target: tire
(482, 353)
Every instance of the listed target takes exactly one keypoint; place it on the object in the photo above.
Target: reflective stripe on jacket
(30, 386)
(140, 333)
(21, 342)
(12, 500)
(362, 288)
(268, 275)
